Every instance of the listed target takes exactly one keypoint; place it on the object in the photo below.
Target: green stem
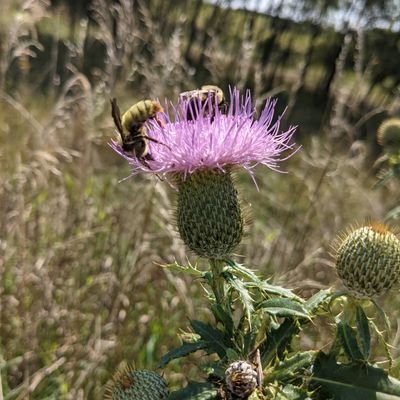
(217, 283)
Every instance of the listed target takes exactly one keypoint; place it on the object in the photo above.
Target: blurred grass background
(80, 288)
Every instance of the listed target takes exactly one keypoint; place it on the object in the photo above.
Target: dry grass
(79, 286)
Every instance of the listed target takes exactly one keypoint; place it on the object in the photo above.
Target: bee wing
(116, 115)
(190, 94)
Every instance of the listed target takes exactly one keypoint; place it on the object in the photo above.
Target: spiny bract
(209, 215)
(130, 384)
(368, 260)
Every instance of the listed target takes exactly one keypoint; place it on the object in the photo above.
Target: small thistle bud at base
(388, 135)
(209, 216)
(368, 261)
(240, 379)
(130, 384)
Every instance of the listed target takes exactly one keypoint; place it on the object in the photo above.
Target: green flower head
(130, 384)
(368, 260)
(388, 135)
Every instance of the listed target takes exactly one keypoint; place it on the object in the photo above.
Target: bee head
(214, 90)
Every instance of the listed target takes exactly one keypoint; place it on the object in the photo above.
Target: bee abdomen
(140, 112)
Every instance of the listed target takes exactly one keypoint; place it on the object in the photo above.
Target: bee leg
(149, 157)
(156, 141)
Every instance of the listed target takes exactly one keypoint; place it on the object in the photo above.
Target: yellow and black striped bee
(217, 97)
(131, 127)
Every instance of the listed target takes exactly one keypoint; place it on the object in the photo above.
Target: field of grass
(81, 287)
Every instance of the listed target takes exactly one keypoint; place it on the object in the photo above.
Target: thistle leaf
(253, 281)
(290, 367)
(242, 271)
(364, 333)
(222, 316)
(291, 392)
(349, 381)
(284, 308)
(195, 391)
(214, 338)
(348, 339)
(189, 269)
(278, 341)
(278, 290)
(182, 351)
(250, 338)
(317, 300)
(244, 295)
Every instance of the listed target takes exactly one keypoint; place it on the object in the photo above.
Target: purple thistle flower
(214, 142)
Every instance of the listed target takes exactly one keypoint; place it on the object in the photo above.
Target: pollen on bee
(157, 107)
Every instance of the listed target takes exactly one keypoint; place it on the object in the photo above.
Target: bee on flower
(203, 143)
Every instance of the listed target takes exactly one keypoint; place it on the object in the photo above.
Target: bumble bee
(131, 127)
(217, 97)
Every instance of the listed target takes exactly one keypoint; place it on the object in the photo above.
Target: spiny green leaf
(290, 367)
(255, 282)
(216, 369)
(284, 308)
(348, 339)
(242, 271)
(244, 295)
(182, 351)
(381, 339)
(352, 382)
(278, 290)
(232, 355)
(214, 338)
(250, 338)
(222, 316)
(291, 392)
(278, 341)
(317, 300)
(189, 269)
(195, 391)
(363, 331)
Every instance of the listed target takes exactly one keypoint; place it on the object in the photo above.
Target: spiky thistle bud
(130, 384)
(368, 260)
(388, 135)
(240, 380)
(209, 215)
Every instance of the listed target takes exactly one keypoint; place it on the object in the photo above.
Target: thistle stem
(217, 283)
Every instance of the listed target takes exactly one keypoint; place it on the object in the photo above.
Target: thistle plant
(388, 136)
(130, 384)
(368, 260)
(252, 342)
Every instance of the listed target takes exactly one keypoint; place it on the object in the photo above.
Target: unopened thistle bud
(388, 135)
(209, 216)
(130, 384)
(368, 260)
(240, 380)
